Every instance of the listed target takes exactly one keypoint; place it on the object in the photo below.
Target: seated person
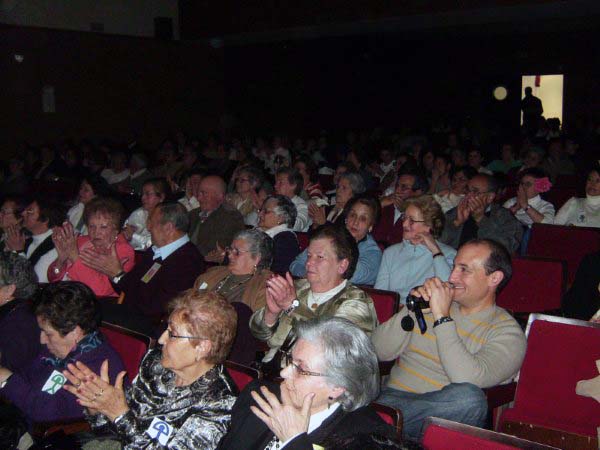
(102, 219)
(342, 167)
(349, 185)
(419, 256)
(329, 379)
(440, 175)
(507, 160)
(39, 217)
(166, 269)
(139, 173)
(276, 218)
(470, 342)
(10, 217)
(582, 299)
(248, 182)
(91, 187)
(68, 316)
(289, 182)
(326, 291)
(190, 180)
(583, 212)
(154, 191)
(19, 331)
(214, 223)
(363, 213)
(310, 176)
(118, 172)
(243, 279)
(528, 207)
(389, 229)
(450, 198)
(182, 383)
(477, 216)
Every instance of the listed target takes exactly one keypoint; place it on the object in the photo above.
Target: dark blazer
(222, 224)
(386, 231)
(175, 275)
(582, 300)
(248, 432)
(285, 249)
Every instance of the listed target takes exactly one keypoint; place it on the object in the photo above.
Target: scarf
(87, 344)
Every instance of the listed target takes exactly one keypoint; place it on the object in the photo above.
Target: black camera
(416, 305)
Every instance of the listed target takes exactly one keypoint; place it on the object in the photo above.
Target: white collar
(321, 297)
(272, 232)
(317, 419)
(138, 173)
(40, 237)
(592, 200)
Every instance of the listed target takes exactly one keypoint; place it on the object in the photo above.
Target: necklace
(224, 282)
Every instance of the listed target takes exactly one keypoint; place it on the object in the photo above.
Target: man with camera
(465, 342)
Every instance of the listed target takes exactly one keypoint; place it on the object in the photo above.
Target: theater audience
(477, 216)
(214, 223)
(363, 213)
(410, 183)
(507, 160)
(248, 182)
(102, 217)
(326, 291)
(68, 316)
(583, 212)
(91, 187)
(154, 191)
(329, 377)
(166, 269)
(289, 182)
(19, 331)
(349, 185)
(39, 217)
(276, 218)
(10, 217)
(420, 255)
(183, 382)
(528, 206)
(470, 343)
(450, 198)
(243, 279)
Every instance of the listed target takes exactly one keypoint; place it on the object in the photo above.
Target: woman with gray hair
(276, 218)
(244, 278)
(330, 378)
(349, 185)
(19, 331)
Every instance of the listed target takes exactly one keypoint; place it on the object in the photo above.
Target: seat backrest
(445, 434)
(560, 352)
(391, 416)
(302, 240)
(558, 196)
(386, 302)
(242, 375)
(130, 345)
(568, 243)
(537, 285)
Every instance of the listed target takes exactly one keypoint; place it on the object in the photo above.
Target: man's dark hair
(343, 242)
(499, 260)
(51, 211)
(420, 183)
(175, 213)
(294, 177)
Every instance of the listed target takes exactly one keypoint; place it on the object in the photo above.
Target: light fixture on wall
(500, 93)
(18, 58)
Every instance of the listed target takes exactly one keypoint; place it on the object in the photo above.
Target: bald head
(211, 193)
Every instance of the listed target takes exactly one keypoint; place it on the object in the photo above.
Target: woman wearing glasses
(330, 377)
(420, 255)
(243, 279)
(182, 396)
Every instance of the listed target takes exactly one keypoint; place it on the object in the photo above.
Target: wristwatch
(295, 303)
(442, 320)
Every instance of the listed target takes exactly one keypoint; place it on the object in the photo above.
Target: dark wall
(111, 86)
(405, 79)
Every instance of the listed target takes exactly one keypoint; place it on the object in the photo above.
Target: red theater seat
(302, 240)
(242, 375)
(386, 302)
(391, 416)
(130, 345)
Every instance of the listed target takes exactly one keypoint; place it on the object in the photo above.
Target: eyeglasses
(410, 220)
(236, 251)
(289, 361)
(266, 211)
(175, 336)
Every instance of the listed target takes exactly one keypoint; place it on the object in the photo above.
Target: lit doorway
(549, 89)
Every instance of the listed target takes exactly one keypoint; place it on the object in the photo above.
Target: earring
(329, 401)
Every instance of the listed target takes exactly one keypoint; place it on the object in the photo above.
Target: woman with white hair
(330, 378)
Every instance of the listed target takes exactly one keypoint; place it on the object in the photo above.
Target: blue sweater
(405, 266)
(369, 258)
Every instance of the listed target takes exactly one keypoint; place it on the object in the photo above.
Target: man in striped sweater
(470, 342)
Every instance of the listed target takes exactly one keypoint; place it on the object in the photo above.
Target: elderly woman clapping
(326, 291)
(182, 397)
(330, 377)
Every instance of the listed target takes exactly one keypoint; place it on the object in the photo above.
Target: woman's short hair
(67, 304)
(17, 270)
(370, 202)
(349, 358)
(98, 184)
(310, 167)
(343, 242)
(260, 244)
(19, 201)
(105, 206)
(255, 176)
(431, 210)
(210, 316)
(534, 172)
(294, 178)
(51, 210)
(356, 181)
(160, 185)
(468, 171)
(285, 209)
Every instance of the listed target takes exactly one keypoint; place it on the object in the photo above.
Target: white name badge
(55, 381)
(151, 272)
(160, 430)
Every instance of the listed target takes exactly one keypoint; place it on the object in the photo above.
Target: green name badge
(55, 381)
